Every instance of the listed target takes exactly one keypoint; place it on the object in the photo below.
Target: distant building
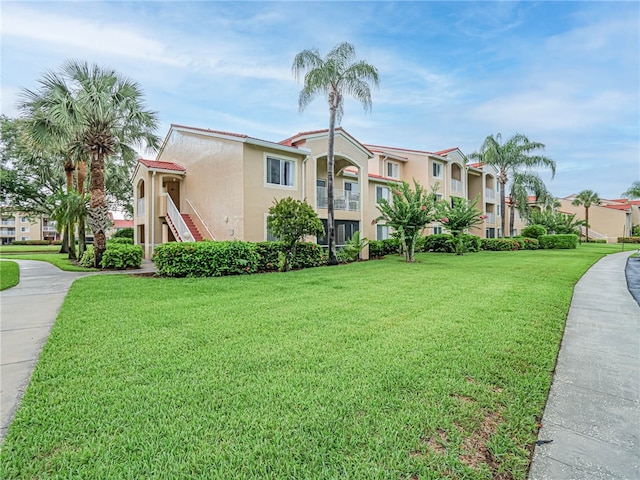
(18, 226)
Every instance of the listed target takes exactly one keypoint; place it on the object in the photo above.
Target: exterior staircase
(195, 233)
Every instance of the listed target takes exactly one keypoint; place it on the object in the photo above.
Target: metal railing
(179, 227)
(491, 218)
(140, 207)
(456, 186)
(48, 228)
(489, 194)
(8, 232)
(342, 199)
(8, 223)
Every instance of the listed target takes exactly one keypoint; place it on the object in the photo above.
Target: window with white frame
(393, 170)
(499, 210)
(24, 229)
(438, 197)
(437, 230)
(437, 170)
(24, 238)
(382, 232)
(24, 219)
(269, 237)
(280, 171)
(383, 192)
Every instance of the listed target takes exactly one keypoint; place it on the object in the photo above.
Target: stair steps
(197, 236)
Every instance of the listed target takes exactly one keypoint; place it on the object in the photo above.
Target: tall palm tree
(586, 198)
(633, 191)
(523, 184)
(336, 75)
(96, 113)
(509, 157)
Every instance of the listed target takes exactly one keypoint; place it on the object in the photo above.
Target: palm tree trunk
(72, 241)
(82, 237)
(503, 205)
(98, 218)
(68, 173)
(586, 216)
(64, 246)
(333, 259)
(512, 214)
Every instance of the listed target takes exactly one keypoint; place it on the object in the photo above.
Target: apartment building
(607, 221)
(17, 226)
(219, 185)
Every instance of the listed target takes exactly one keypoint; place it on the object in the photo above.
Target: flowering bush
(458, 217)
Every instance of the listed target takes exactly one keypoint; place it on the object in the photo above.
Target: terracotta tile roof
(123, 223)
(208, 130)
(382, 148)
(622, 206)
(162, 165)
(380, 177)
(476, 165)
(444, 152)
(291, 141)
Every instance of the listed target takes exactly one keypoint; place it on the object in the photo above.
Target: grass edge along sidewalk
(377, 369)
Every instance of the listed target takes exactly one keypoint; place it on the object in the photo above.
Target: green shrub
(30, 242)
(559, 241)
(380, 248)
(308, 255)
(502, 244)
(124, 233)
(206, 259)
(471, 242)
(88, 258)
(121, 256)
(271, 255)
(439, 243)
(268, 255)
(534, 231)
(620, 240)
(596, 240)
(120, 241)
(531, 243)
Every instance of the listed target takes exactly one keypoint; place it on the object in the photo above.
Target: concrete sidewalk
(27, 313)
(593, 411)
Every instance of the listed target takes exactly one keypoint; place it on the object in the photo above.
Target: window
(383, 192)
(382, 232)
(351, 187)
(280, 172)
(393, 170)
(438, 197)
(437, 230)
(24, 219)
(24, 238)
(24, 229)
(499, 210)
(437, 170)
(490, 233)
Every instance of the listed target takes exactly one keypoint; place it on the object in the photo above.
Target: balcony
(456, 186)
(8, 223)
(342, 199)
(489, 194)
(49, 228)
(140, 207)
(8, 232)
(491, 218)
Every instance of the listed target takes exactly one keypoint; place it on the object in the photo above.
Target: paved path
(27, 313)
(593, 411)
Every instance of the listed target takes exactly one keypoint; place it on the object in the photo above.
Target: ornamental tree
(290, 220)
(458, 217)
(408, 213)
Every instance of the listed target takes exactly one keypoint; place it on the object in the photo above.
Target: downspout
(153, 212)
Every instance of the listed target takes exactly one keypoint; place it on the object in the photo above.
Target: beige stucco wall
(605, 221)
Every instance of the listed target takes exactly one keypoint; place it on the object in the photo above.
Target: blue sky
(566, 74)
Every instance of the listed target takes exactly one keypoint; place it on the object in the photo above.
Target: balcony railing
(456, 186)
(8, 223)
(491, 218)
(181, 230)
(140, 207)
(489, 194)
(342, 199)
(8, 232)
(48, 228)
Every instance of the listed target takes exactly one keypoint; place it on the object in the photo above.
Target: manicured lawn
(9, 249)
(374, 370)
(60, 260)
(9, 274)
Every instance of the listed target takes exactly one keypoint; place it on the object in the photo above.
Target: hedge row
(559, 241)
(624, 240)
(509, 244)
(31, 242)
(117, 256)
(217, 259)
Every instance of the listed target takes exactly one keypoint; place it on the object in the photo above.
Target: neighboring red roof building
(162, 165)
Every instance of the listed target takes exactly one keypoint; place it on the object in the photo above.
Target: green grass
(60, 260)
(10, 249)
(373, 370)
(9, 274)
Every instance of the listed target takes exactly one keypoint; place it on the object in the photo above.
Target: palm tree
(510, 157)
(523, 184)
(95, 113)
(586, 198)
(633, 191)
(336, 75)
